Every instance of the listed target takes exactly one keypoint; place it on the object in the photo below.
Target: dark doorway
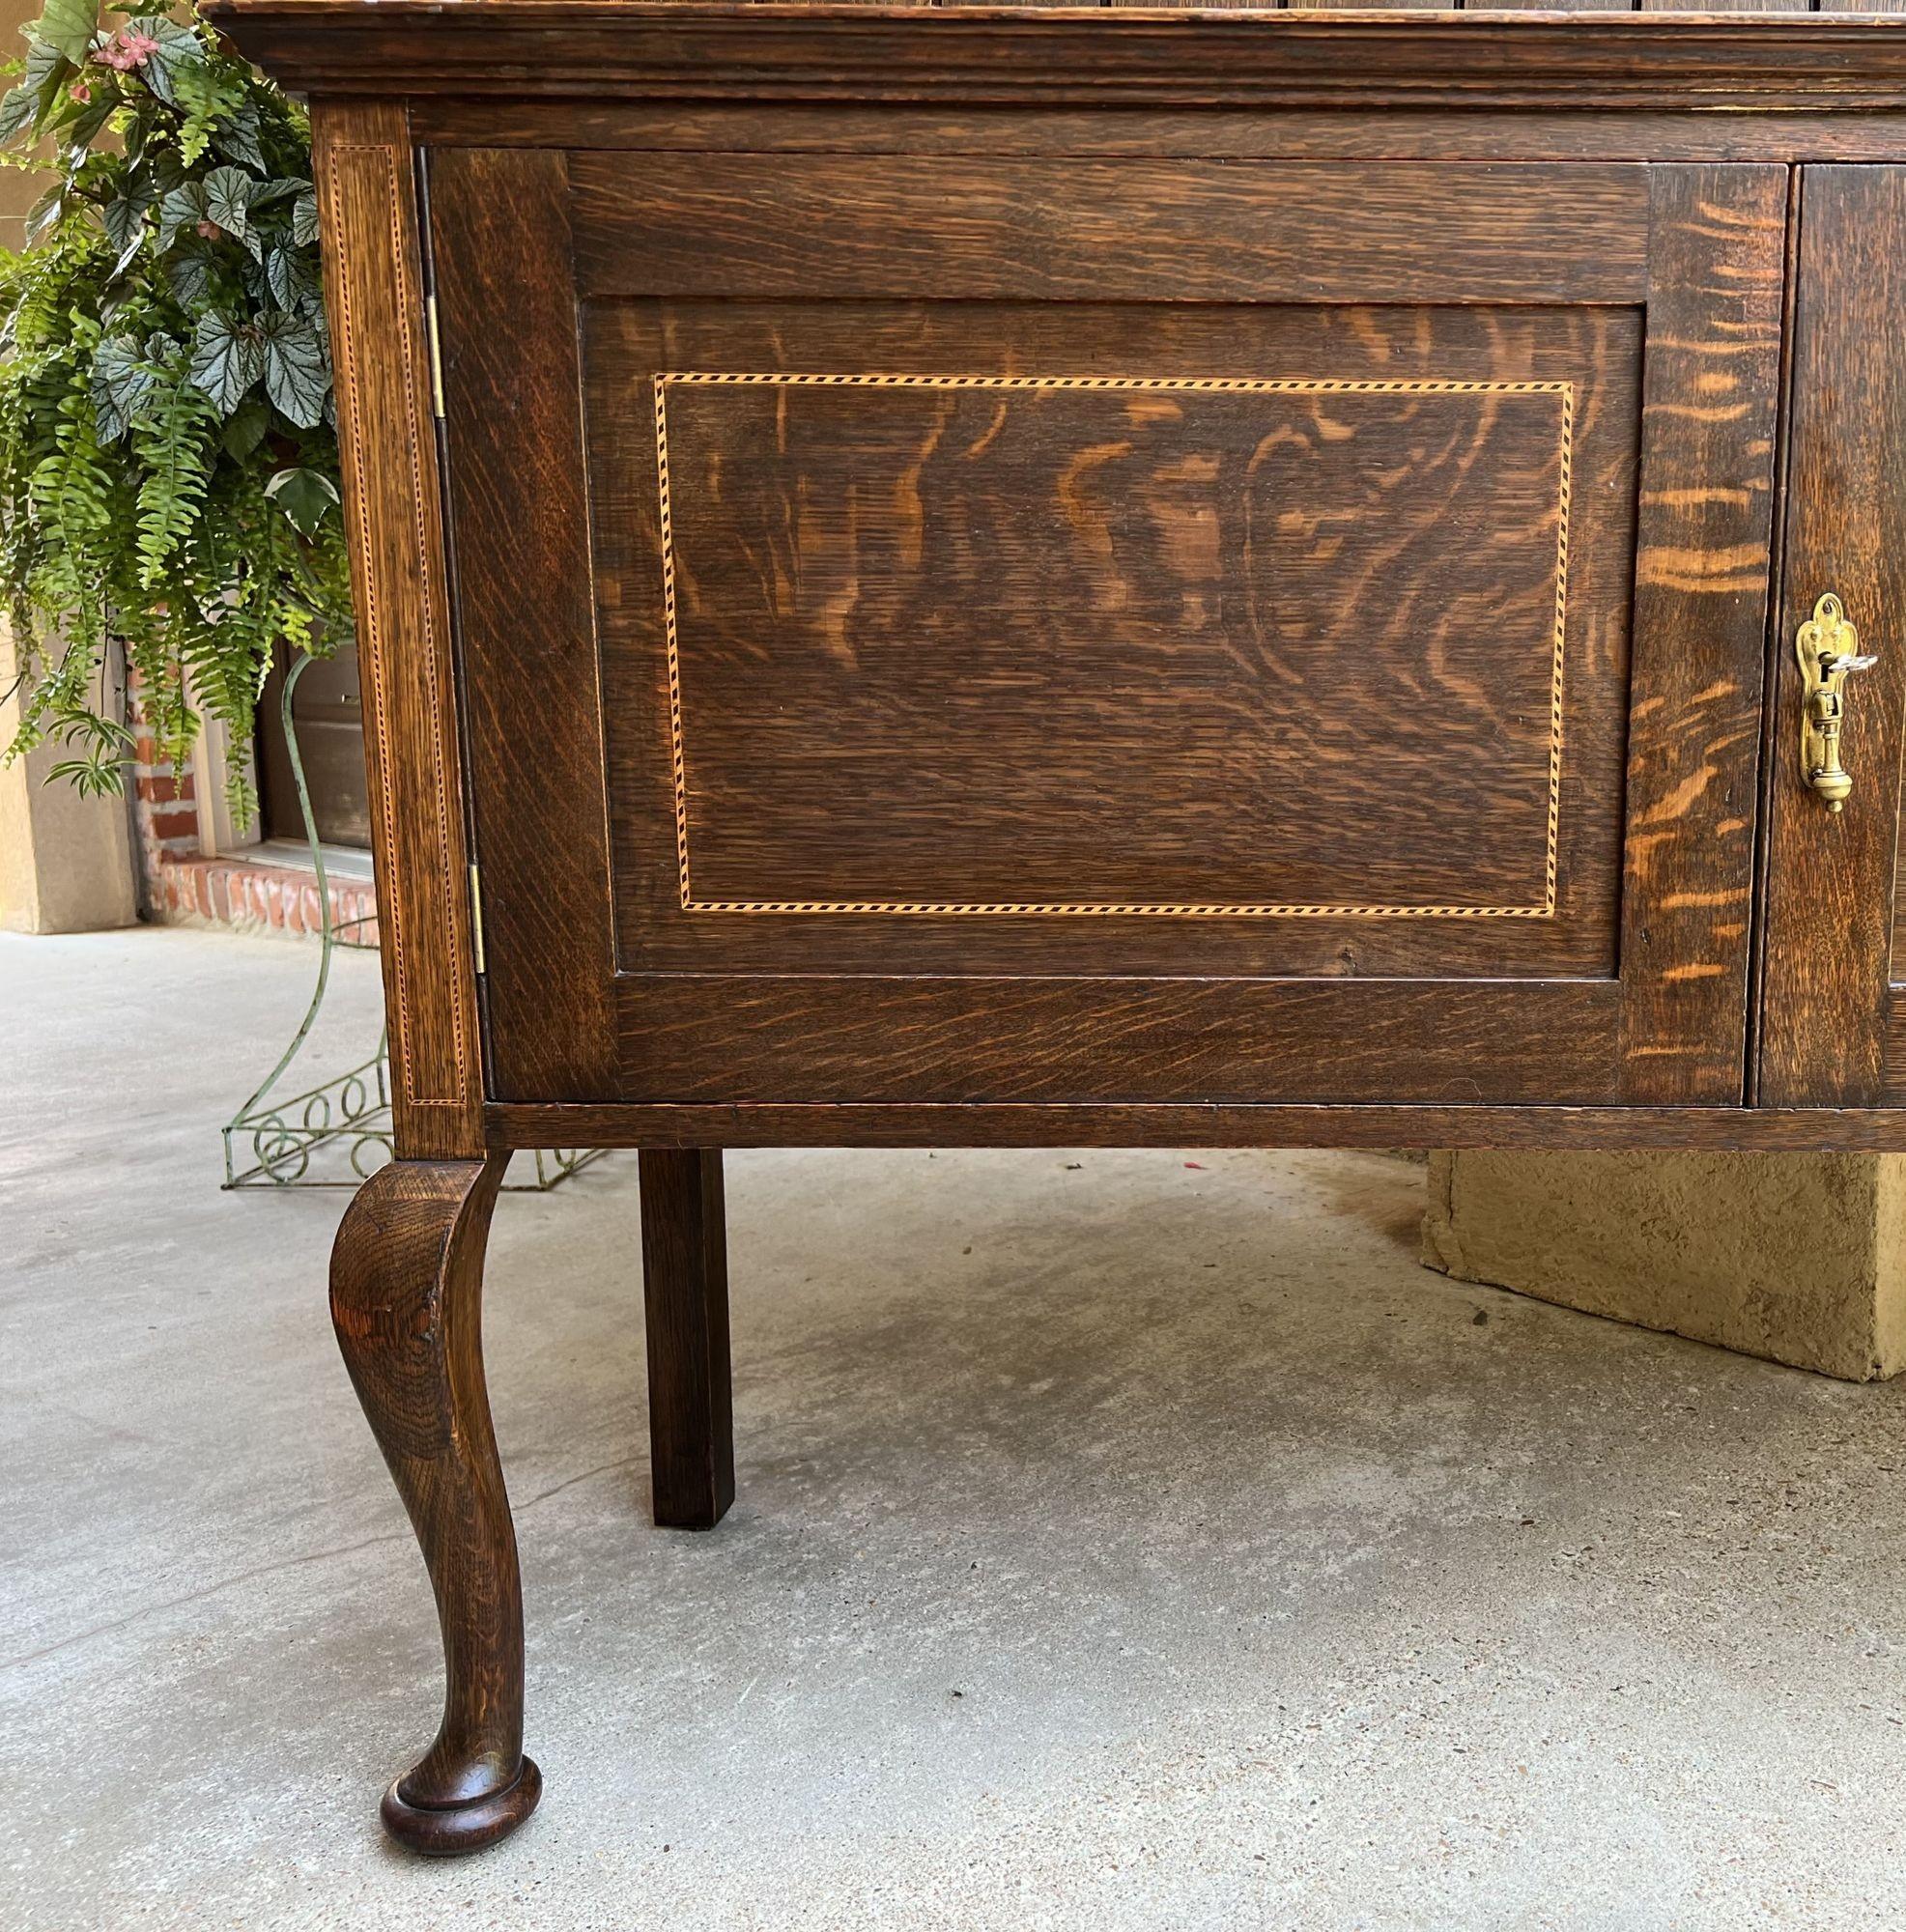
(327, 712)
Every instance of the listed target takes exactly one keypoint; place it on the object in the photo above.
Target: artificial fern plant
(168, 449)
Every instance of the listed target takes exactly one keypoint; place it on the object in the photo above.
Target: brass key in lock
(1827, 646)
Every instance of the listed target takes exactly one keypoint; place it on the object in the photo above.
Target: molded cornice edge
(627, 49)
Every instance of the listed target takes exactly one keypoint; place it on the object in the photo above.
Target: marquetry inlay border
(365, 307)
(1093, 909)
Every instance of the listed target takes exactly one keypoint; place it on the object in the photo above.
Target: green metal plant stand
(338, 1132)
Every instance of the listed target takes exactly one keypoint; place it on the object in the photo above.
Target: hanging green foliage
(168, 446)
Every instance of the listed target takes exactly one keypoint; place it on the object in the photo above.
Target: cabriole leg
(685, 1291)
(407, 1290)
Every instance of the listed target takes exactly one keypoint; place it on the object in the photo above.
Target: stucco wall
(66, 863)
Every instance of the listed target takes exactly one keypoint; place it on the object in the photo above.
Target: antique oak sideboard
(1080, 576)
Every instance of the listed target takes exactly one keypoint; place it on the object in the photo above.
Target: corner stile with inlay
(374, 290)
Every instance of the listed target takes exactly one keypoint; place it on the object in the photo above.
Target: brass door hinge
(476, 918)
(436, 344)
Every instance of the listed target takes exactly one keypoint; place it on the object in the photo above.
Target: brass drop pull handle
(1827, 646)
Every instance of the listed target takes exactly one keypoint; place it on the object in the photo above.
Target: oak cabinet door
(1833, 1010)
(938, 630)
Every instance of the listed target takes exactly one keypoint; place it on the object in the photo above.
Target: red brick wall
(255, 897)
(167, 809)
(182, 885)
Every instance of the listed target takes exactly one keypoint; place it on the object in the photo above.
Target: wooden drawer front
(1147, 631)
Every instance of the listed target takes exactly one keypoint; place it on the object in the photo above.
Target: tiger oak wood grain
(1702, 573)
(1424, 133)
(809, 1036)
(519, 515)
(1770, 684)
(753, 227)
(1826, 1032)
(1015, 612)
(1682, 1038)
(1384, 634)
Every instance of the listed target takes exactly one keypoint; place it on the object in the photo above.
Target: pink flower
(210, 230)
(126, 49)
(80, 91)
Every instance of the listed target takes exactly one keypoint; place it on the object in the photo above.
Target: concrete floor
(1125, 1540)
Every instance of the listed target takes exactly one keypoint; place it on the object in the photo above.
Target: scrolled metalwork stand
(343, 1124)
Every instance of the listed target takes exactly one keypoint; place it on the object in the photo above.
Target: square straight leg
(685, 1291)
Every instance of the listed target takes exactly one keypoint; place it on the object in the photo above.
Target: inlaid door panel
(1007, 609)
(1124, 631)
(1117, 672)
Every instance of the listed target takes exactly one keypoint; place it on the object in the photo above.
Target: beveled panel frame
(869, 1021)
(1564, 391)
(627, 342)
